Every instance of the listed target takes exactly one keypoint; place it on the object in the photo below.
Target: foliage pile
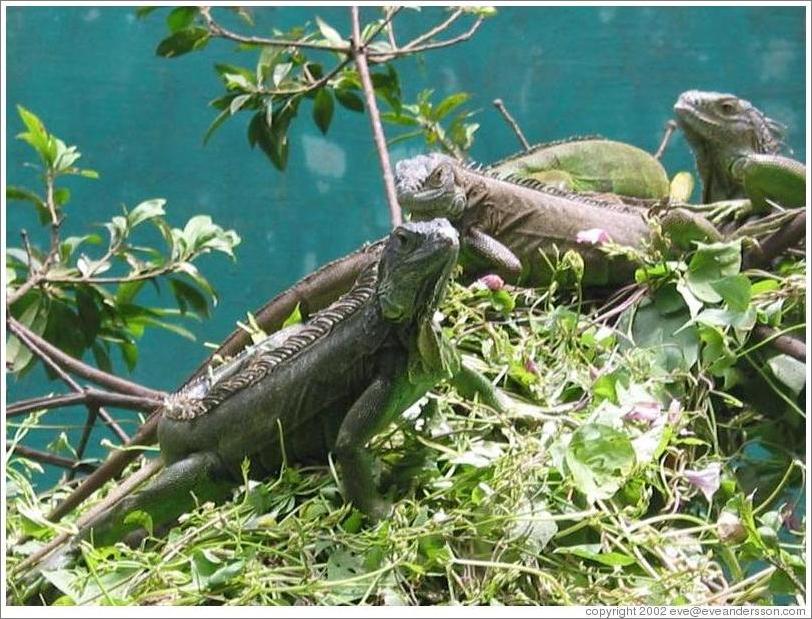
(639, 463)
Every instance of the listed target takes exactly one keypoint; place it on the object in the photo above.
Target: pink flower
(644, 412)
(492, 282)
(593, 236)
(707, 480)
(531, 366)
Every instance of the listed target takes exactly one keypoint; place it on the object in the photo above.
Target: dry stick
(121, 491)
(61, 461)
(513, 124)
(670, 127)
(78, 367)
(25, 336)
(778, 242)
(87, 396)
(782, 343)
(359, 54)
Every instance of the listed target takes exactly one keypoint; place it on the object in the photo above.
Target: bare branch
(670, 127)
(92, 397)
(384, 56)
(513, 124)
(60, 461)
(359, 54)
(782, 343)
(432, 32)
(32, 341)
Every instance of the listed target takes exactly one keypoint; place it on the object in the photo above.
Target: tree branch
(80, 368)
(513, 124)
(778, 242)
(384, 56)
(782, 343)
(92, 397)
(359, 54)
(60, 461)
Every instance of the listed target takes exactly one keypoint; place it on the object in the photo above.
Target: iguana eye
(402, 237)
(727, 107)
(437, 177)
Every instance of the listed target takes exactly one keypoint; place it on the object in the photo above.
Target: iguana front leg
(771, 177)
(495, 253)
(369, 414)
(683, 227)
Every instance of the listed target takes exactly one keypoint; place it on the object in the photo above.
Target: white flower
(707, 480)
(593, 236)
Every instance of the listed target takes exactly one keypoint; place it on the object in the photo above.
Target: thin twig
(670, 127)
(92, 414)
(430, 46)
(80, 368)
(216, 30)
(359, 54)
(513, 124)
(432, 32)
(60, 461)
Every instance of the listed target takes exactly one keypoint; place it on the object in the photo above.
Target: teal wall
(93, 77)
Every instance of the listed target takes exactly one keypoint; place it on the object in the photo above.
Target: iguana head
(428, 187)
(726, 123)
(414, 269)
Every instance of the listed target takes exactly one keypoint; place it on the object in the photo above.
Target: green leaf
(187, 295)
(209, 571)
(61, 196)
(599, 458)
(219, 120)
(295, 317)
(22, 194)
(449, 104)
(180, 18)
(237, 103)
(349, 100)
(323, 109)
(37, 136)
(149, 209)
(183, 42)
(593, 552)
(789, 371)
(129, 353)
(330, 33)
(735, 290)
(280, 72)
(710, 263)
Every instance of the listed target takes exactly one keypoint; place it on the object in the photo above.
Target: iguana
(590, 164)
(329, 384)
(737, 147)
(507, 222)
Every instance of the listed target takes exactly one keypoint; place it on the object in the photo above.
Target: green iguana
(327, 385)
(736, 148)
(590, 164)
(506, 223)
